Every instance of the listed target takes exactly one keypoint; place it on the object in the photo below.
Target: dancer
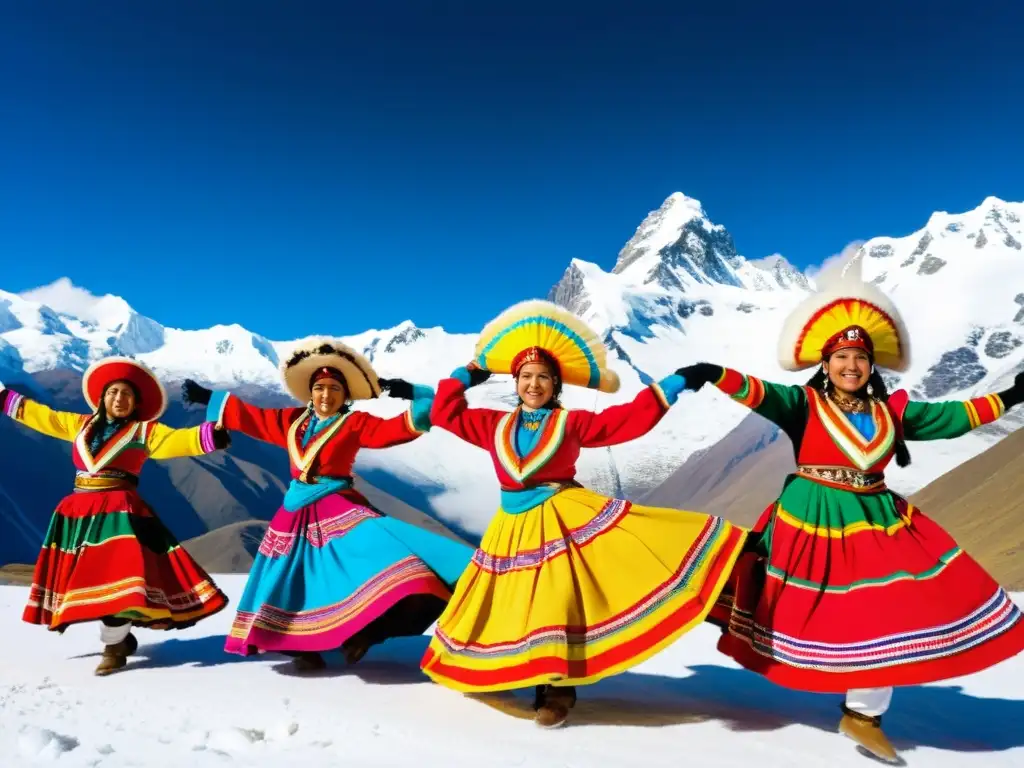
(106, 555)
(567, 586)
(331, 571)
(852, 589)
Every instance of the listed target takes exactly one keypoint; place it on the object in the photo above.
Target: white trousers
(872, 702)
(114, 635)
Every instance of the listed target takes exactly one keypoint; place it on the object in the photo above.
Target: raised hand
(192, 392)
(477, 375)
(399, 388)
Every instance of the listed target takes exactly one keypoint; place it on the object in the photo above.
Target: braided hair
(879, 391)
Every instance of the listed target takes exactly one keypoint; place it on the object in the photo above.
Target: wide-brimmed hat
(838, 315)
(531, 330)
(360, 379)
(151, 395)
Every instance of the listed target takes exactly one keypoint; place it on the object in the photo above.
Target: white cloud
(835, 261)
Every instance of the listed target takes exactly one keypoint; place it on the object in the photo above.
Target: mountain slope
(981, 503)
(677, 293)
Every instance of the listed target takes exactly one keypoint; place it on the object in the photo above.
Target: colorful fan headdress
(152, 398)
(319, 358)
(844, 312)
(530, 330)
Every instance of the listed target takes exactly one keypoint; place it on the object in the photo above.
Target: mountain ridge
(651, 325)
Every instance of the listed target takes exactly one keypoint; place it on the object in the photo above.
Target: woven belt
(107, 481)
(844, 477)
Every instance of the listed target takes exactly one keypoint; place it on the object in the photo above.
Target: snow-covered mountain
(677, 293)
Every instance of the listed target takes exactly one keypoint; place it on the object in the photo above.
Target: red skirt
(107, 554)
(861, 591)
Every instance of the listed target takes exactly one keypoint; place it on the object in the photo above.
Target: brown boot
(867, 731)
(553, 705)
(116, 656)
(355, 648)
(309, 661)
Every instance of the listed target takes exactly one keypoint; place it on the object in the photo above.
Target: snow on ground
(182, 701)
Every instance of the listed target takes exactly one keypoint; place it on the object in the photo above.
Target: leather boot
(116, 656)
(867, 731)
(552, 704)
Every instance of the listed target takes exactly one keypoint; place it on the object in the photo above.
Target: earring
(871, 390)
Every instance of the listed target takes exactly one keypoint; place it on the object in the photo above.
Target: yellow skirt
(576, 589)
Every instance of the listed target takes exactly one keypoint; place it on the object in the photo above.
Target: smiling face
(535, 385)
(848, 370)
(119, 400)
(328, 397)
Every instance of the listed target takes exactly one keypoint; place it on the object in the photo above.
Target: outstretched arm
(376, 432)
(627, 421)
(230, 412)
(944, 421)
(60, 424)
(782, 404)
(163, 442)
(452, 413)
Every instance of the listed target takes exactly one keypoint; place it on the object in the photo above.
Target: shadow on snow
(937, 716)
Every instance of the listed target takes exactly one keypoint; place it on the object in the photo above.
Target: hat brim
(360, 379)
(818, 318)
(152, 397)
(581, 355)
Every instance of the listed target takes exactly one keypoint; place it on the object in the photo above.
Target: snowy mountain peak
(661, 230)
(66, 298)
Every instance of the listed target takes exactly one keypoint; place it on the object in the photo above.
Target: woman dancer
(107, 557)
(331, 571)
(852, 589)
(567, 586)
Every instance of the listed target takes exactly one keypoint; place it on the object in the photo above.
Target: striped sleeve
(776, 402)
(946, 420)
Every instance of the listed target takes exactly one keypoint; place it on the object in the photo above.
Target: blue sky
(329, 167)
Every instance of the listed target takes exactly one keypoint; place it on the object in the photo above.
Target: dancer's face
(328, 397)
(119, 400)
(535, 384)
(848, 369)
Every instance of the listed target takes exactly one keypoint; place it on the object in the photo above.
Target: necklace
(849, 404)
(531, 420)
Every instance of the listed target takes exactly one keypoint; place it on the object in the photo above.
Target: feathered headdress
(532, 330)
(844, 312)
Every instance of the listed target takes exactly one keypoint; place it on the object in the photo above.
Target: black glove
(221, 438)
(700, 374)
(399, 388)
(478, 376)
(1015, 394)
(191, 392)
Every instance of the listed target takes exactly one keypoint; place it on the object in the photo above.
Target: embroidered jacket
(552, 459)
(126, 451)
(823, 435)
(331, 452)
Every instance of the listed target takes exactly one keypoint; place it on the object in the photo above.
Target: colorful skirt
(861, 590)
(337, 567)
(106, 553)
(576, 589)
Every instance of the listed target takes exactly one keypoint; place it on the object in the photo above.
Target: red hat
(534, 355)
(152, 398)
(853, 337)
